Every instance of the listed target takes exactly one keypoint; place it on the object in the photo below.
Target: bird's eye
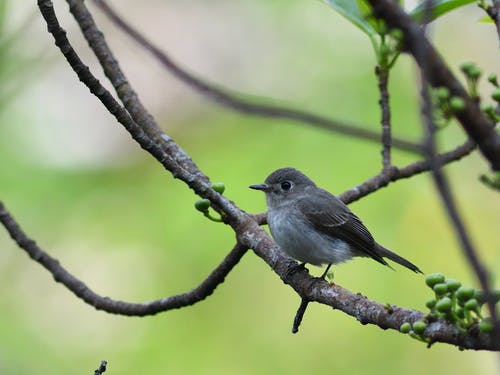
(286, 185)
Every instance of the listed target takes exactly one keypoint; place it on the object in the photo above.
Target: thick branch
(236, 101)
(149, 135)
(477, 126)
(79, 289)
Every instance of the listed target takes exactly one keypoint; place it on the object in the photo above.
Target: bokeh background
(92, 198)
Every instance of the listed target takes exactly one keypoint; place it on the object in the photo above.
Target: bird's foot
(293, 268)
(326, 274)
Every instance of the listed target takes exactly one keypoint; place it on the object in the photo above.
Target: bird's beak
(262, 187)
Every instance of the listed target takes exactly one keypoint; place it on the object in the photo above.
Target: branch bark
(82, 291)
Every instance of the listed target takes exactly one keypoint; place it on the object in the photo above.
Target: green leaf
(438, 8)
(351, 10)
(486, 19)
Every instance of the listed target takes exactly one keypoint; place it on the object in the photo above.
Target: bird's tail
(382, 251)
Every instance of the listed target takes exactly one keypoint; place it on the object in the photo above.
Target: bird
(313, 226)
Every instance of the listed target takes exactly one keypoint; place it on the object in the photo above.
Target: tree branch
(145, 131)
(394, 174)
(236, 101)
(82, 291)
(475, 124)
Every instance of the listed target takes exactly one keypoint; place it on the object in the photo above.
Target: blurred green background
(92, 198)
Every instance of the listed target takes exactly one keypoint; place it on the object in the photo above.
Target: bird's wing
(330, 215)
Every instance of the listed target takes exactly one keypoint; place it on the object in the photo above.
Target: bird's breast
(300, 240)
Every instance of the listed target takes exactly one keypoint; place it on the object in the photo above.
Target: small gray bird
(313, 226)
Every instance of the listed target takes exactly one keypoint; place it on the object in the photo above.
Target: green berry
(397, 34)
(202, 205)
(453, 284)
(419, 327)
(466, 67)
(442, 93)
(440, 289)
(496, 295)
(486, 325)
(492, 78)
(219, 187)
(430, 304)
(471, 305)
(460, 313)
(465, 293)
(434, 278)
(479, 296)
(488, 108)
(405, 328)
(457, 104)
(474, 73)
(496, 94)
(443, 305)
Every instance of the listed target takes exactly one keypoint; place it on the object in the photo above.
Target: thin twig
(79, 289)
(384, 178)
(299, 315)
(102, 368)
(478, 127)
(236, 101)
(383, 80)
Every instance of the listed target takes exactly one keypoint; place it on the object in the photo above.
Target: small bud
(492, 78)
(475, 73)
(496, 295)
(453, 284)
(466, 67)
(465, 293)
(486, 325)
(442, 93)
(460, 313)
(419, 327)
(405, 328)
(457, 104)
(496, 94)
(440, 289)
(430, 304)
(479, 296)
(434, 278)
(487, 108)
(219, 187)
(443, 305)
(202, 205)
(471, 304)
(396, 34)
